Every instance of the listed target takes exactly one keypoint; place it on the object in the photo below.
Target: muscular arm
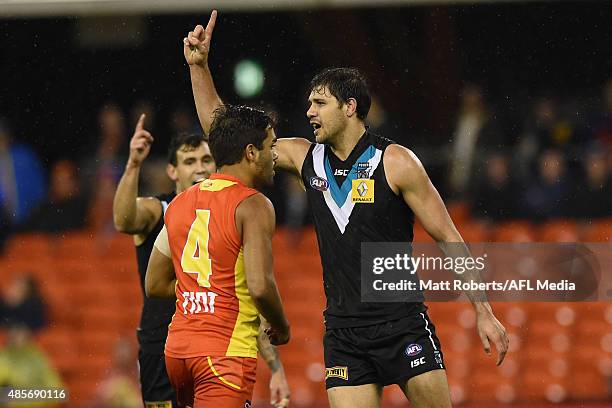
(255, 221)
(196, 47)
(407, 177)
(160, 280)
(131, 214)
(205, 94)
(267, 350)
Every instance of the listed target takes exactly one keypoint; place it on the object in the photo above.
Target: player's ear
(171, 172)
(251, 153)
(351, 107)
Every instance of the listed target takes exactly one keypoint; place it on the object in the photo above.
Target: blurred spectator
(601, 124)
(544, 130)
(547, 196)
(593, 196)
(183, 120)
(66, 207)
(22, 304)
(24, 366)
(296, 205)
(22, 182)
(380, 123)
(120, 389)
(107, 167)
(476, 134)
(495, 196)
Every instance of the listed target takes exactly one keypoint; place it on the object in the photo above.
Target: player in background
(218, 239)
(367, 345)
(189, 160)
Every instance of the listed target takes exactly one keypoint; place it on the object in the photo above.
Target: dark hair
(193, 140)
(345, 83)
(234, 128)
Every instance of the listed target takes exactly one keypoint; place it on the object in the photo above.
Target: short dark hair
(345, 83)
(193, 140)
(234, 127)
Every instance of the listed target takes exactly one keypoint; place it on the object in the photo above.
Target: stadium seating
(559, 352)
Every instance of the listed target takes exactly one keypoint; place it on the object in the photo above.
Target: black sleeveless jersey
(156, 313)
(351, 203)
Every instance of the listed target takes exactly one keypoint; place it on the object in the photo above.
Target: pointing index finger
(140, 124)
(211, 23)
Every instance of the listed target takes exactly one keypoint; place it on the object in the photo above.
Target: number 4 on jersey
(195, 258)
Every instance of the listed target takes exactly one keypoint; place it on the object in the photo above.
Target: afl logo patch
(319, 183)
(413, 350)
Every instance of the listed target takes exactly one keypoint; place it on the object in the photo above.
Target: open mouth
(316, 127)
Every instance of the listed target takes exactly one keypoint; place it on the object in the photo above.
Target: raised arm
(132, 214)
(255, 221)
(407, 177)
(196, 47)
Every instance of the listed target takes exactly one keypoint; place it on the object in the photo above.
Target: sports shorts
(220, 382)
(385, 353)
(154, 383)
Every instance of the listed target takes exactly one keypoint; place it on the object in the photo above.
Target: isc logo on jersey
(341, 172)
(362, 191)
(319, 183)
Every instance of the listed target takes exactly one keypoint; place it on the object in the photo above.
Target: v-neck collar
(354, 153)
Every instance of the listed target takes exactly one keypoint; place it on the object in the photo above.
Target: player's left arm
(160, 280)
(279, 387)
(407, 177)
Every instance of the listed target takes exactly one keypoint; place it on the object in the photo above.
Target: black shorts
(386, 353)
(154, 383)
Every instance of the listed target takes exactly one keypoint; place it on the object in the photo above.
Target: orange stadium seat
(78, 246)
(61, 347)
(513, 231)
(558, 231)
(81, 392)
(459, 212)
(474, 231)
(487, 387)
(598, 230)
(29, 245)
(588, 386)
(420, 235)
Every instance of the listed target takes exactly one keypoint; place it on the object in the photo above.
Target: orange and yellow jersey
(215, 315)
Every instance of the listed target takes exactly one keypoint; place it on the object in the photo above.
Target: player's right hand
(140, 144)
(196, 45)
(278, 337)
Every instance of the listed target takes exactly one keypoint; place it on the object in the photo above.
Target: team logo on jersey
(413, 350)
(337, 372)
(319, 183)
(362, 191)
(363, 170)
(247, 404)
(438, 357)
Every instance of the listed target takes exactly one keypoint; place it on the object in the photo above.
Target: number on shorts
(197, 239)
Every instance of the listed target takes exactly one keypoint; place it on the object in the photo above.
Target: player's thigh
(358, 396)
(428, 390)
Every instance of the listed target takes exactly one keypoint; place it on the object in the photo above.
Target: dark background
(417, 58)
